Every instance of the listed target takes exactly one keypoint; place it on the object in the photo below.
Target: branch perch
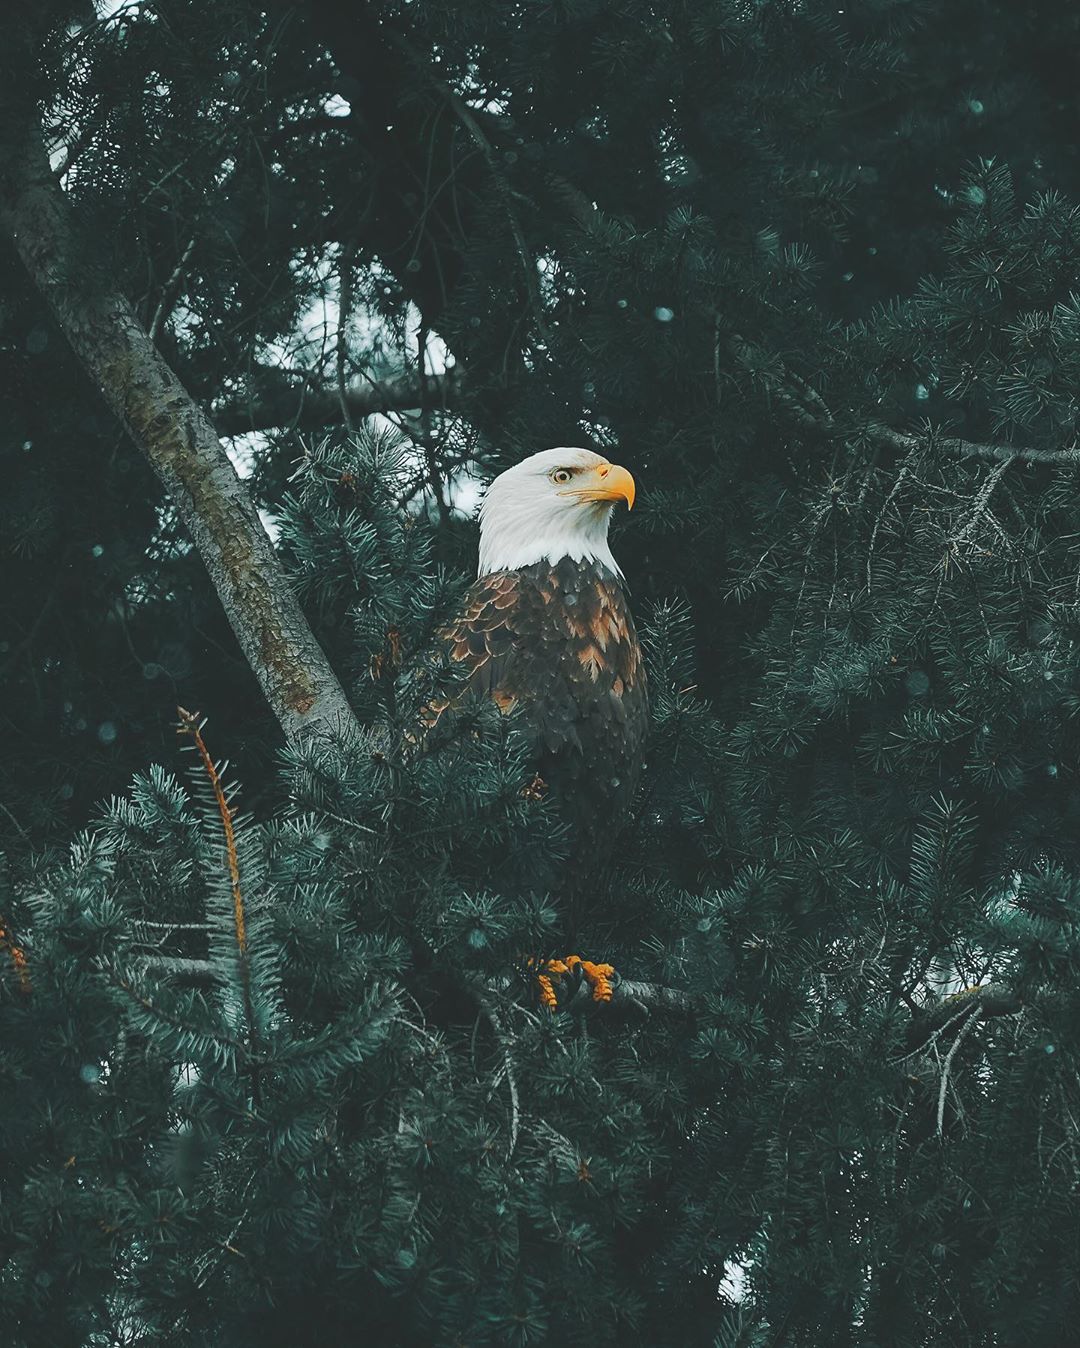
(628, 996)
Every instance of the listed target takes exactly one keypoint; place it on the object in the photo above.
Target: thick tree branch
(627, 996)
(306, 411)
(992, 999)
(630, 997)
(634, 998)
(805, 405)
(904, 443)
(178, 439)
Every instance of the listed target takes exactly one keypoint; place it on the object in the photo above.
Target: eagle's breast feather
(557, 641)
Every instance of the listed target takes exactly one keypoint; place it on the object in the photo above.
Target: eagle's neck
(511, 541)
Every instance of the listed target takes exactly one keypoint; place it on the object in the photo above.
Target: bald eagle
(546, 628)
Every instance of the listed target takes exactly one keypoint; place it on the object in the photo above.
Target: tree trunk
(179, 440)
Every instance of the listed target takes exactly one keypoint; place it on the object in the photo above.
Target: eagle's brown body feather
(558, 642)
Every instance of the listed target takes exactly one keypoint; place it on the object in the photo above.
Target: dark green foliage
(811, 274)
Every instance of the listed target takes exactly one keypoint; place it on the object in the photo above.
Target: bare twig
(505, 1042)
(341, 343)
(982, 501)
(169, 291)
(932, 1039)
(965, 1030)
(15, 823)
(905, 469)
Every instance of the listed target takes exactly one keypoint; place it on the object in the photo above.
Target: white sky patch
(244, 452)
(336, 106)
(377, 351)
(185, 322)
(311, 346)
(464, 492)
(271, 524)
(733, 1283)
(436, 355)
(109, 9)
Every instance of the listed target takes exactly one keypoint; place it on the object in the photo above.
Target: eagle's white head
(552, 505)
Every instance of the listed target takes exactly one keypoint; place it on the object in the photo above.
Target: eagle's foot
(598, 977)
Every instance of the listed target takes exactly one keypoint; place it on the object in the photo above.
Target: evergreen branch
(809, 410)
(118, 980)
(630, 996)
(191, 724)
(176, 437)
(174, 926)
(627, 996)
(197, 972)
(295, 410)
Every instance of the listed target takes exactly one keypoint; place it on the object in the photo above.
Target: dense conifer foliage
(273, 1068)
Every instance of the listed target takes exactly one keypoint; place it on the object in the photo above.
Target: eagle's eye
(561, 475)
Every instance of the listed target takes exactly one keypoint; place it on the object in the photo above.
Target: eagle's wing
(485, 638)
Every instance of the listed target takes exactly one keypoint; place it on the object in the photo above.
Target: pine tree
(273, 1065)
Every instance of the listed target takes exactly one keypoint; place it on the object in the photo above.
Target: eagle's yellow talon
(598, 977)
(547, 992)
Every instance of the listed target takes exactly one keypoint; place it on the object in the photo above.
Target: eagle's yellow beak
(605, 482)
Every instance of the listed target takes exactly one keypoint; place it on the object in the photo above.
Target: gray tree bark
(180, 442)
